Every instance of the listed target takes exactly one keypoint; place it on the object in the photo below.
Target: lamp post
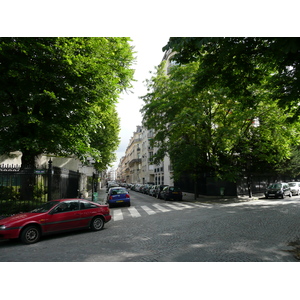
(91, 163)
(50, 172)
(93, 187)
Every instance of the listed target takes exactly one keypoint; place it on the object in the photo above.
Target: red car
(55, 216)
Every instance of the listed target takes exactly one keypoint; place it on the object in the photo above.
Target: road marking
(161, 208)
(134, 213)
(148, 210)
(184, 205)
(173, 206)
(118, 215)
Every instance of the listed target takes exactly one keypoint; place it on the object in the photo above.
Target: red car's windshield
(45, 207)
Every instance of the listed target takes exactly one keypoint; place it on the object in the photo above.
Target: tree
(58, 96)
(239, 63)
(210, 130)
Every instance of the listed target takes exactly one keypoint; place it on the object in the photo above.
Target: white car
(295, 188)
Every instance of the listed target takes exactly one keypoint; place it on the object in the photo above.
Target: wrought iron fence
(23, 190)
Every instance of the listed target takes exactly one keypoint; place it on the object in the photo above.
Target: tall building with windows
(137, 165)
(147, 170)
(129, 169)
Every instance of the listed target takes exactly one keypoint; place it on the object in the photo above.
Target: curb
(189, 197)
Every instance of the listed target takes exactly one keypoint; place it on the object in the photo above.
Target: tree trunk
(28, 160)
(27, 175)
(249, 185)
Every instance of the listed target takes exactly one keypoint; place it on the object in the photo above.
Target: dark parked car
(278, 190)
(118, 196)
(53, 217)
(171, 193)
(157, 191)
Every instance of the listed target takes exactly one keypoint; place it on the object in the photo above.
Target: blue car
(118, 196)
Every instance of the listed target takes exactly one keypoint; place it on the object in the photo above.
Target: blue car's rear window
(118, 191)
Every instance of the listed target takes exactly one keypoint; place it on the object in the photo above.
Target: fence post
(50, 169)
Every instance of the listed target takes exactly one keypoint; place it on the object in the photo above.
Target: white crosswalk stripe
(184, 205)
(117, 215)
(174, 206)
(148, 210)
(163, 209)
(120, 214)
(134, 213)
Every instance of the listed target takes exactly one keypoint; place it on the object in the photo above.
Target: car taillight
(110, 197)
(127, 196)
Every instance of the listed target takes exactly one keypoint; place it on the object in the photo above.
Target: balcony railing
(135, 161)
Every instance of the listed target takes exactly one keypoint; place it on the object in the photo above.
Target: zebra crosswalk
(121, 213)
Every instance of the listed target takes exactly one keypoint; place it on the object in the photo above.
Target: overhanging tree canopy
(58, 95)
(239, 63)
(211, 130)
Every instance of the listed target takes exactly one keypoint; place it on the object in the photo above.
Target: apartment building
(137, 165)
(147, 167)
(129, 169)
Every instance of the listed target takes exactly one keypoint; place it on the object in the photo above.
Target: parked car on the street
(118, 196)
(171, 193)
(53, 217)
(278, 190)
(158, 190)
(141, 188)
(137, 187)
(295, 188)
(110, 185)
(147, 188)
(152, 191)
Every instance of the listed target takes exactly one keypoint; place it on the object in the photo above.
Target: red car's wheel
(97, 223)
(30, 234)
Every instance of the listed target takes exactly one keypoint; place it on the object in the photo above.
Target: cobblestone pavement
(237, 229)
(152, 230)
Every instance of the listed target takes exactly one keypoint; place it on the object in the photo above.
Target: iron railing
(23, 189)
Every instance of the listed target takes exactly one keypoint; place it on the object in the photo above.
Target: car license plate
(120, 201)
(175, 193)
(271, 195)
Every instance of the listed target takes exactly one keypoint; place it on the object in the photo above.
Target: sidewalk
(190, 197)
(100, 198)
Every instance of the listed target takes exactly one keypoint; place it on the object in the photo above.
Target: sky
(149, 55)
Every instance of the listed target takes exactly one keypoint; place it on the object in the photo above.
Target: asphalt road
(154, 230)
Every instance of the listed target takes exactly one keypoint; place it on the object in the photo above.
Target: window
(119, 191)
(87, 205)
(67, 206)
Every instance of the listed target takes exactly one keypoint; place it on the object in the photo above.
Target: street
(154, 230)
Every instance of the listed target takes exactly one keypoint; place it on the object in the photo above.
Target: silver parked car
(295, 188)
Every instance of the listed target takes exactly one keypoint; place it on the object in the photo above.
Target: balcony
(135, 161)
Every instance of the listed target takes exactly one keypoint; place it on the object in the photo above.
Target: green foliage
(58, 95)
(211, 130)
(240, 63)
(10, 193)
